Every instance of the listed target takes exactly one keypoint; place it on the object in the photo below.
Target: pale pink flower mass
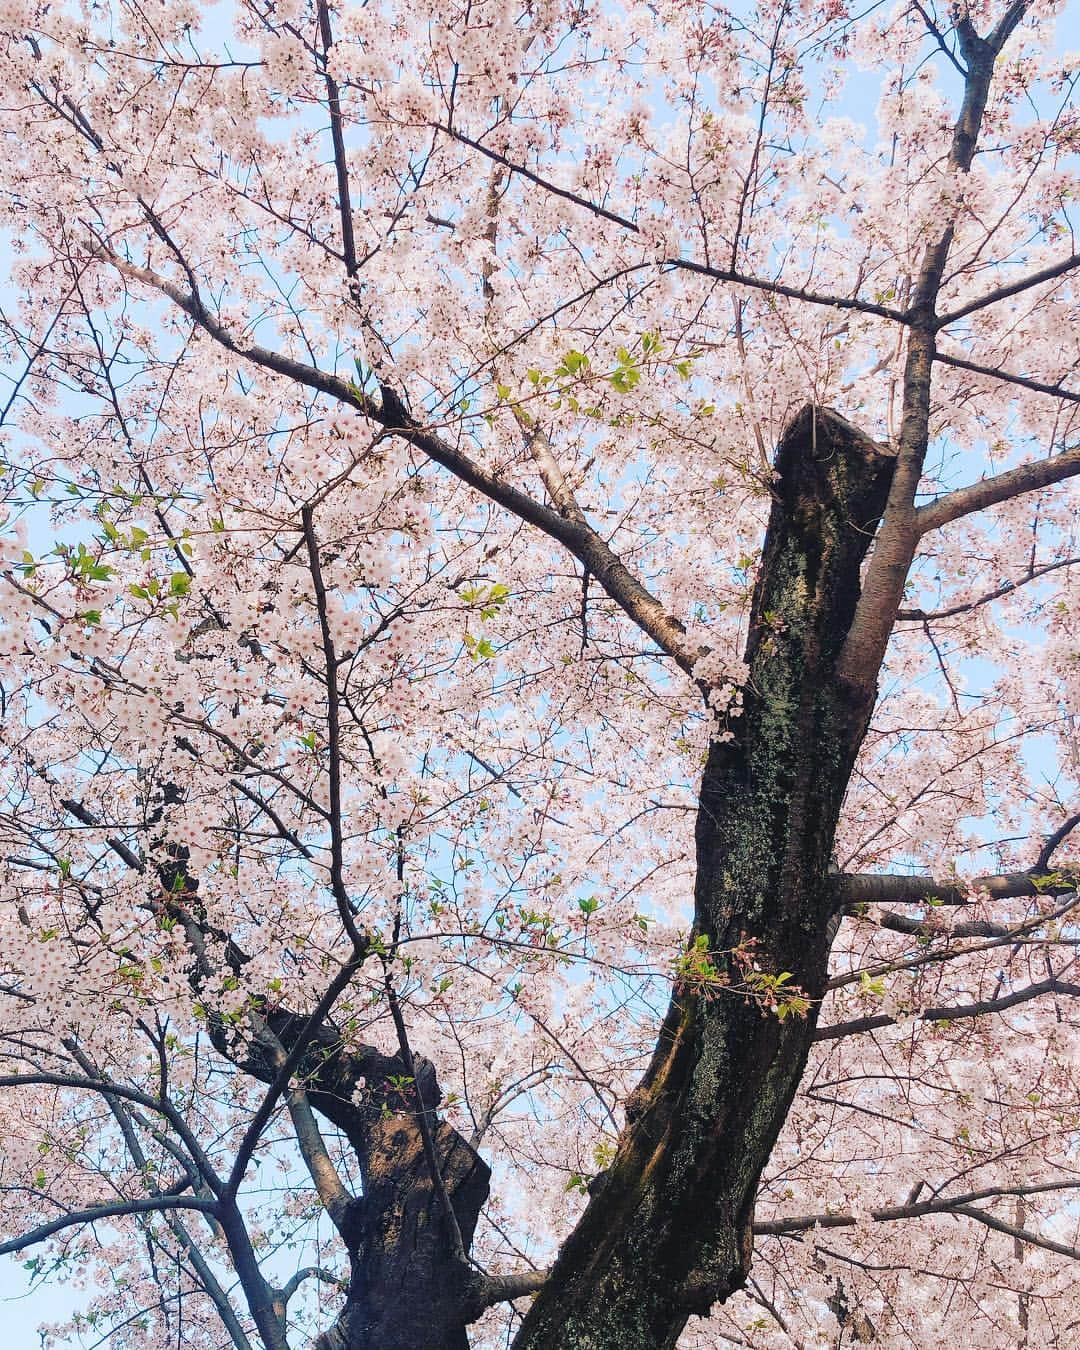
(391, 395)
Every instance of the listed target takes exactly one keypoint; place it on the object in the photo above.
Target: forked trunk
(407, 1291)
(668, 1230)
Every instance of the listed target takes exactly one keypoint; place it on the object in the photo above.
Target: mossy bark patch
(668, 1231)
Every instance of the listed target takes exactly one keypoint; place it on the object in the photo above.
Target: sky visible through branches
(454, 595)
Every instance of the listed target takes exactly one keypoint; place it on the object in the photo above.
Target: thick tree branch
(289, 1288)
(981, 1008)
(936, 33)
(894, 549)
(551, 474)
(279, 1086)
(492, 1289)
(153, 1204)
(872, 888)
(586, 545)
(257, 1290)
(1014, 288)
(331, 1191)
(1005, 27)
(1000, 488)
(1054, 841)
(1017, 1233)
(905, 923)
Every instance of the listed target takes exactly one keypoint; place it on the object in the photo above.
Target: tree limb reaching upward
(582, 541)
(463, 586)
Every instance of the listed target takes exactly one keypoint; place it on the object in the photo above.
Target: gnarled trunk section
(667, 1232)
(408, 1290)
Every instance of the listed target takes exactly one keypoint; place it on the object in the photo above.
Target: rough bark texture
(667, 1232)
(407, 1289)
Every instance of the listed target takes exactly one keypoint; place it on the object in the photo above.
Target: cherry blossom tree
(537, 672)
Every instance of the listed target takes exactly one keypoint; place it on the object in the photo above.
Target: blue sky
(25, 1306)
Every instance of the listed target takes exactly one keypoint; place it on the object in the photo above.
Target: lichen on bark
(668, 1231)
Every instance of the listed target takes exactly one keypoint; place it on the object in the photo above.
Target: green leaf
(873, 986)
(624, 379)
(179, 583)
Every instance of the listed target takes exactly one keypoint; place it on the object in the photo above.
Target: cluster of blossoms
(279, 681)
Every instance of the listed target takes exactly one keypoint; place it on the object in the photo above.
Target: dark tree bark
(668, 1230)
(408, 1289)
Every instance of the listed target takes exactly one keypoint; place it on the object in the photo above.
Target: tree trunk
(408, 1289)
(668, 1230)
